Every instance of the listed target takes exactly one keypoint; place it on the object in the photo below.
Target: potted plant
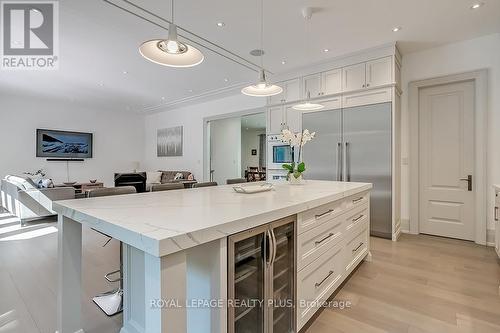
(297, 142)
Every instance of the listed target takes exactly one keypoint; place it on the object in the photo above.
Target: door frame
(480, 78)
(206, 133)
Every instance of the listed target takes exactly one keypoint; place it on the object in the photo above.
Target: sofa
(22, 198)
(167, 177)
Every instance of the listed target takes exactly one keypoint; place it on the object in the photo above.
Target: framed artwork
(169, 141)
(254, 152)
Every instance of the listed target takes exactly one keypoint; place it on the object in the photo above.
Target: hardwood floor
(28, 278)
(421, 284)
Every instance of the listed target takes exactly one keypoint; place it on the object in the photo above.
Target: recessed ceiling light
(477, 5)
(125, 72)
(326, 50)
(190, 90)
(283, 62)
(221, 24)
(396, 29)
(226, 80)
(101, 84)
(162, 98)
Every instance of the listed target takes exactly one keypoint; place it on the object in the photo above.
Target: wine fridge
(261, 279)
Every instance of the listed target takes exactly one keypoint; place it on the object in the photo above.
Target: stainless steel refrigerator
(354, 144)
(261, 279)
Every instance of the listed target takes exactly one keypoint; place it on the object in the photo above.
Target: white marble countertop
(161, 223)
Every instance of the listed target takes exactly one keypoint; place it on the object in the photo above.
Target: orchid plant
(297, 142)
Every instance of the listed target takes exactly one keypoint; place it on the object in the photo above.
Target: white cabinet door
(293, 120)
(332, 82)
(275, 119)
(354, 77)
(292, 90)
(312, 84)
(277, 99)
(379, 72)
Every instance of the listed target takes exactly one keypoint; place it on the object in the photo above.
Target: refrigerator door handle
(339, 163)
(348, 161)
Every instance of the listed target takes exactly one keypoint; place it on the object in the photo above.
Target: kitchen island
(175, 248)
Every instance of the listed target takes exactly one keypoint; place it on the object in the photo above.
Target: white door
(354, 77)
(379, 72)
(225, 154)
(332, 82)
(446, 160)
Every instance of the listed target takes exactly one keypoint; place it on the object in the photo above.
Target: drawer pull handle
(326, 277)
(357, 248)
(323, 239)
(358, 218)
(357, 200)
(324, 214)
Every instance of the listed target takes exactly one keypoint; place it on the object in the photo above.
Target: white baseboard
(490, 237)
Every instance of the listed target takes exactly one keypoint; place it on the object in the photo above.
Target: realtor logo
(30, 35)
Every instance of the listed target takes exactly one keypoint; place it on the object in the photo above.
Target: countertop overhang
(162, 223)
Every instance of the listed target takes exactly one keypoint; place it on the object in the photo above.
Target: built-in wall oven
(278, 152)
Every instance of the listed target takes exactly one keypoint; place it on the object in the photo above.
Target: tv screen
(62, 144)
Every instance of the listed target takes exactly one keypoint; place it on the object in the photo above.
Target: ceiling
(100, 65)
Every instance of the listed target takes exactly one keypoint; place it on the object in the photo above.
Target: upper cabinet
(379, 72)
(291, 92)
(332, 82)
(369, 74)
(326, 83)
(354, 77)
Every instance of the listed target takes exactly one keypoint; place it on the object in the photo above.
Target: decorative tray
(257, 188)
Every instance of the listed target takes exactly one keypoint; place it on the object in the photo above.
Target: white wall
(250, 140)
(118, 138)
(479, 53)
(191, 117)
(226, 149)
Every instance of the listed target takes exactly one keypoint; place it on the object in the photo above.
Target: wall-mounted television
(63, 144)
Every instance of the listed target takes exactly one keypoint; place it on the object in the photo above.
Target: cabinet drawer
(317, 282)
(314, 242)
(357, 200)
(316, 216)
(355, 218)
(356, 246)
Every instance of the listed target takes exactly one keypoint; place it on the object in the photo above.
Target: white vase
(295, 181)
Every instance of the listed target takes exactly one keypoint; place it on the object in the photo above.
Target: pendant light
(307, 105)
(171, 52)
(262, 88)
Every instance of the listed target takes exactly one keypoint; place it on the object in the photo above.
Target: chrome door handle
(341, 162)
(326, 277)
(469, 182)
(269, 237)
(496, 213)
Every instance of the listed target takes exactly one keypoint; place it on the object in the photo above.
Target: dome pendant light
(262, 88)
(307, 105)
(171, 52)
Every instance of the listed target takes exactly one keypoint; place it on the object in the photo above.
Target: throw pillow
(178, 176)
(45, 183)
(153, 177)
